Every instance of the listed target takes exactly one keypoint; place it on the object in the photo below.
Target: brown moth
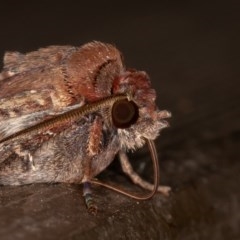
(66, 112)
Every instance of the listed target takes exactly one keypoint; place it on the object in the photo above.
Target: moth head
(138, 118)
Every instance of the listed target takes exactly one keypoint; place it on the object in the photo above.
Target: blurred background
(191, 51)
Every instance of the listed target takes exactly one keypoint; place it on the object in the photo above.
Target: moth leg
(128, 170)
(93, 148)
(88, 198)
(95, 136)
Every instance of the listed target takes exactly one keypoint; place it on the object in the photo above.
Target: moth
(66, 112)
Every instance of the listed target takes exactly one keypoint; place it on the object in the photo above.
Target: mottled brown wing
(30, 85)
(32, 89)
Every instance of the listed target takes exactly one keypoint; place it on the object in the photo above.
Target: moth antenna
(71, 115)
(154, 157)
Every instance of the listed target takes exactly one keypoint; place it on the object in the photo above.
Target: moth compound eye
(124, 113)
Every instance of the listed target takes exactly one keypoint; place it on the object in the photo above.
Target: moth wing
(33, 86)
(16, 62)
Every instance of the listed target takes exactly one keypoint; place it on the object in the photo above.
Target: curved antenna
(154, 158)
(65, 117)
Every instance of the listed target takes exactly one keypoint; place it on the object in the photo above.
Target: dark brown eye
(124, 113)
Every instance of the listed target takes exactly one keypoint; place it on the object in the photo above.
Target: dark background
(191, 51)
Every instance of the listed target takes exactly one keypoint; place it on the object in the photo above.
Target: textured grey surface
(191, 51)
(204, 205)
